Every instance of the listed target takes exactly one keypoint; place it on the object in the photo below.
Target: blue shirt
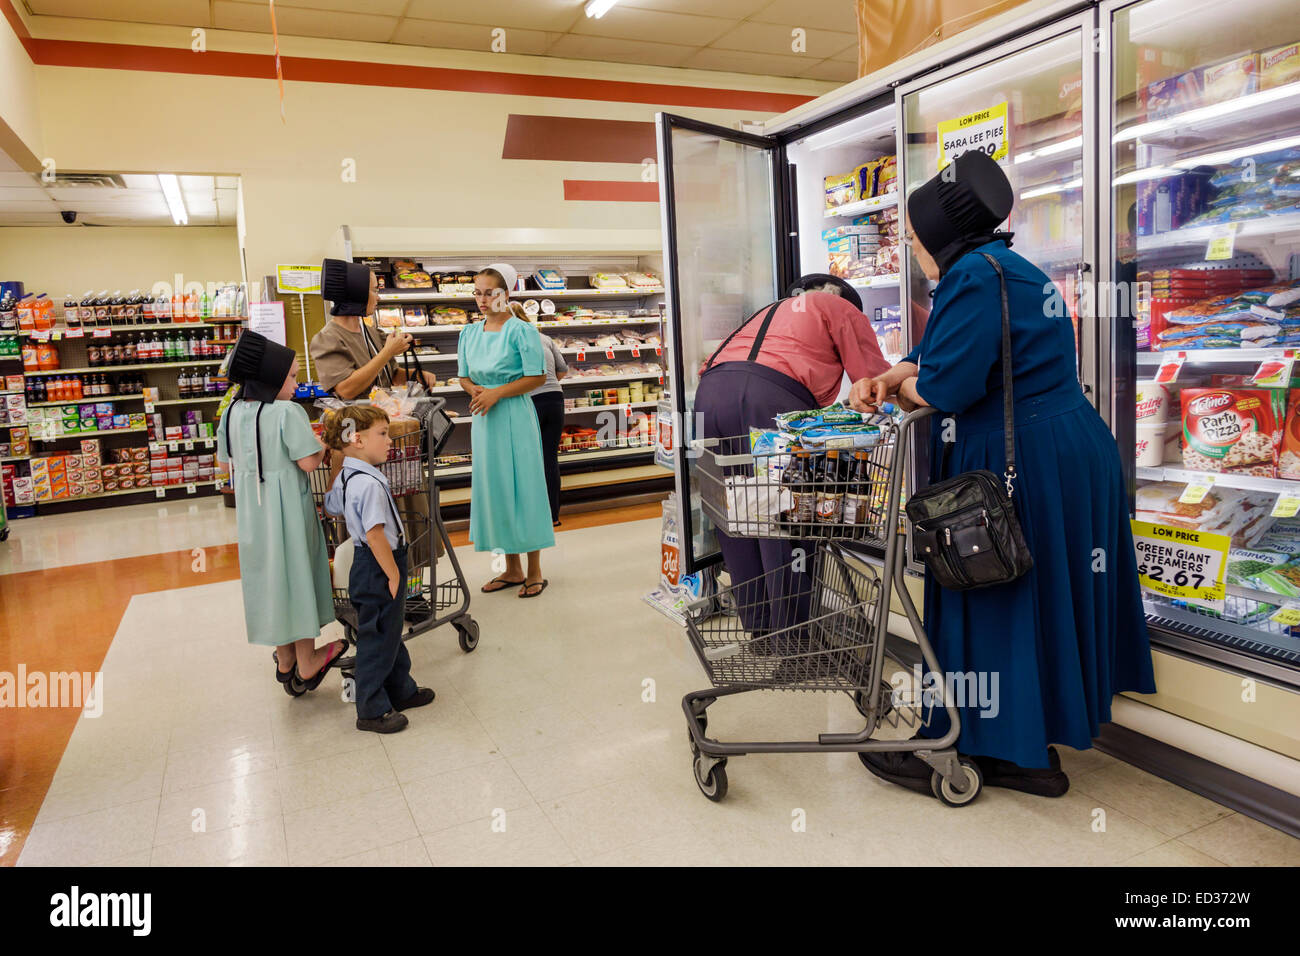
(369, 502)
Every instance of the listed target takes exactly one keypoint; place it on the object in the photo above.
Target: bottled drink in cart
(803, 489)
(857, 496)
(830, 495)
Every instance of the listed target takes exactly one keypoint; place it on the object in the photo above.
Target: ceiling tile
(735, 61)
(847, 55)
(553, 15)
(17, 180)
(728, 9)
(619, 51)
(464, 36)
(195, 182)
(390, 8)
(772, 38)
(191, 13)
(140, 181)
(833, 71)
(28, 193)
(254, 17)
(647, 25)
(838, 15)
(227, 182)
(26, 206)
(94, 194)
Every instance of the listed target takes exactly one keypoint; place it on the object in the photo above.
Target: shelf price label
(190, 489)
(658, 350)
(1196, 490)
(636, 352)
(160, 492)
(101, 333)
(1222, 241)
(1181, 563)
(1274, 373)
(582, 355)
(1170, 365)
(75, 333)
(1287, 505)
(1288, 616)
(609, 353)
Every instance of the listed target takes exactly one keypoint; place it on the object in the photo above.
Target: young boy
(377, 583)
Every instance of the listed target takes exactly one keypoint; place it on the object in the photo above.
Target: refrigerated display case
(1203, 163)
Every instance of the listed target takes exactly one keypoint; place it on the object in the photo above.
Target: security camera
(69, 216)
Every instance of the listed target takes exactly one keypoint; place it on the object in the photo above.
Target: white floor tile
(347, 827)
(256, 843)
(92, 838)
(516, 838)
(447, 799)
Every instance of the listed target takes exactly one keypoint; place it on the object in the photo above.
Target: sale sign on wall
(985, 130)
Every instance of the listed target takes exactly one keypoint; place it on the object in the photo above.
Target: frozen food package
(1288, 462)
(1175, 94)
(1230, 79)
(865, 178)
(1230, 430)
(1279, 66)
(1243, 516)
(840, 190)
(887, 178)
(388, 316)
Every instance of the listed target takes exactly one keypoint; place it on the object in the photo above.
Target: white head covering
(508, 273)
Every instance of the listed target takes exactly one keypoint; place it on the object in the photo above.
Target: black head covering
(346, 284)
(259, 367)
(959, 208)
(815, 280)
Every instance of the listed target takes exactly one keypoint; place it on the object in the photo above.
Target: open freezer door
(720, 202)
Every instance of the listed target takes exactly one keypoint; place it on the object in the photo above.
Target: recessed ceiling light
(598, 8)
(171, 188)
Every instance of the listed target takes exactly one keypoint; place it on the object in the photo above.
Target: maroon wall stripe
(574, 139)
(604, 190)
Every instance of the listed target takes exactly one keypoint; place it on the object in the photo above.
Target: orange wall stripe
(15, 21)
(578, 139)
(608, 190)
(123, 56)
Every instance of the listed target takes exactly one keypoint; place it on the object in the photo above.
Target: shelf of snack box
(1215, 356)
(887, 281)
(15, 458)
(862, 206)
(147, 489)
(173, 444)
(91, 434)
(1262, 226)
(628, 406)
(1227, 479)
(85, 401)
(113, 369)
(1272, 109)
(190, 401)
(646, 320)
(571, 380)
(589, 350)
(420, 296)
(87, 331)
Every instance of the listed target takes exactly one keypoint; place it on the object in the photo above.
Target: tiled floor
(541, 748)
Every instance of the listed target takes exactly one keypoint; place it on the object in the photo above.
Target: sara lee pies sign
(985, 130)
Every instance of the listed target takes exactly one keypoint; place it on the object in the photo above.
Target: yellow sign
(1286, 506)
(304, 279)
(1222, 243)
(1196, 490)
(1179, 562)
(985, 130)
(1287, 616)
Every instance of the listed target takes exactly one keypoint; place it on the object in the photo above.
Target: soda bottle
(803, 490)
(857, 494)
(71, 312)
(830, 494)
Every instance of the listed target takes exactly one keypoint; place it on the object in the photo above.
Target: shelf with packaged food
(102, 399)
(422, 296)
(89, 331)
(575, 412)
(1227, 479)
(190, 401)
(111, 369)
(578, 380)
(863, 206)
(1266, 229)
(1244, 116)
(592, 352)
(549, 324)
(184, 444)
(888, 280)
(1213, 356)
(90, 434)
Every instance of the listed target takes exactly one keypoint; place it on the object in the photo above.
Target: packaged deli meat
(1232, 429)
(1243, 516)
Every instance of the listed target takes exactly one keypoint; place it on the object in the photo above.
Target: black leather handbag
(965, 528)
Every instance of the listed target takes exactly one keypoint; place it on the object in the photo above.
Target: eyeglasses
(480, 293)
(908, 237)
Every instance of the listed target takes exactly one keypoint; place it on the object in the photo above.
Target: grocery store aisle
(560, 740)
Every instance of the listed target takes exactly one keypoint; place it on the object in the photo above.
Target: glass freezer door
(1204, 167)
(719, 205)
(1027, 104)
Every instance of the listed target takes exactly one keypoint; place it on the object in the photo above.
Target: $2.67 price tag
(1181, 563)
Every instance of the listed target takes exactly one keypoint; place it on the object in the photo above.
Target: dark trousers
(733, 398)
(383, 666)
(550, 418)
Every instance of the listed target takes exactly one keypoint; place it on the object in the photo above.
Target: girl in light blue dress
(500, 362)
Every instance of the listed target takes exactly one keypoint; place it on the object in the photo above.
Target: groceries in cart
(405, 469)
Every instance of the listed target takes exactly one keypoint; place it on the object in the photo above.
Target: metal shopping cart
(411, 473)
(826, 627)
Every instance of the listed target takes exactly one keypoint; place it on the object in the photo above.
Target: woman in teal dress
(283, 565)
(501, 361)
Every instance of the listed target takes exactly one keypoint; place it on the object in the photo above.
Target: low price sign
(985, 130)
(1181, 563)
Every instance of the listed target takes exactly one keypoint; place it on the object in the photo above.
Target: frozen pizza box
(1279, 66)
(1230, 79)
(1231, 430)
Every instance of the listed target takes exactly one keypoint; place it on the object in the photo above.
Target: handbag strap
(1008, 399)
(758, 339)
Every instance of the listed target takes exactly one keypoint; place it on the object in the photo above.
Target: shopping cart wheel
(712, 782)
(886, 699)
(942, 788)
(467, 628)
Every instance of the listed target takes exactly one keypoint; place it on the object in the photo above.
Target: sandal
(488, 589)
(540, 585)
(286, 677)
(311, 683)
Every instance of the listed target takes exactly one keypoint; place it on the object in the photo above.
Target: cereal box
(1230, 430)
(1230, 79)
(1279, 66)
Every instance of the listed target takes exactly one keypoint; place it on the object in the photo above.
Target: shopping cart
(411, 473)
(820, 622)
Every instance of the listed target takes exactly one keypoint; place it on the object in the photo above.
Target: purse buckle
(1010, 476)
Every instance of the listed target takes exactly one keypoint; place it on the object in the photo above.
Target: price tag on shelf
(41, 336)
(1274, 372)
(1222, 240)
(75, 333)
(582, 355)
(101, 333)
(148, 408)
(609, 353)
(636, 352)
(189, 446)
(1196, 490)
(1180, 562)
(1288, 616)
(658, 350)
(190, 489)
(57, 336)
(160, 492)
(1287, 505)
(1169, 367)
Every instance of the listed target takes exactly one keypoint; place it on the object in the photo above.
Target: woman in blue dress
(500, 362)
(1068, 635)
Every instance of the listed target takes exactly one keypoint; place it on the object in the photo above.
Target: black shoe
(390, 723)
(1040, 781)
(421, 697)
(905, 769)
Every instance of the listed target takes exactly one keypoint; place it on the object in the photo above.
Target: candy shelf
(94, 434)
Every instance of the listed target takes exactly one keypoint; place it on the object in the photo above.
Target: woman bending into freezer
(1068, 635)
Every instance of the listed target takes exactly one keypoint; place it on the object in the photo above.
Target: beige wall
(20, 132)
(63, 259)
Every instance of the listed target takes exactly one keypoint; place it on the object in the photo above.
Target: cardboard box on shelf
(1279, 66)
(90, 446)
(1230, 79)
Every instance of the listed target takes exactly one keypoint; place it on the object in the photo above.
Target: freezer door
(719, 200)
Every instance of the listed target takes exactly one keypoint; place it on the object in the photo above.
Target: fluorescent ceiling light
(598, 8)
(1228, 155)
(857, 131)
(1064, 146)
(1054, 188)
(1213, 111)
(171, 189)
